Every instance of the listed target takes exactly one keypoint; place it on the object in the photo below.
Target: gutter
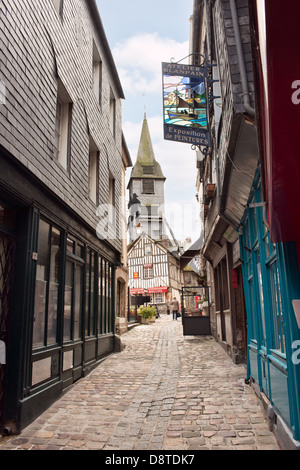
(246, 98)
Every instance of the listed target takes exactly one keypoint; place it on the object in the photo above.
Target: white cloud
(177, 160)
(139, 61)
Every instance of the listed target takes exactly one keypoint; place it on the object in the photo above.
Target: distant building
(62, 159)
(154, 274)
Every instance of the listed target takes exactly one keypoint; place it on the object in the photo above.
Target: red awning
(150, 290)
(137, 291)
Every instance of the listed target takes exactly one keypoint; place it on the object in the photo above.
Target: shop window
(62, 126)
(72, 329)
(277, 321)
(277, 312)
(148, 249)
(90, 294)
(46, 286)
(105, 302)
(261, 305)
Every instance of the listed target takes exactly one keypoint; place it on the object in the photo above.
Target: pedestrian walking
(175, 308)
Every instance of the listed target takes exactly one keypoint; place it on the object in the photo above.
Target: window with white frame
(158, 297)
(148, 271)
(62, 126)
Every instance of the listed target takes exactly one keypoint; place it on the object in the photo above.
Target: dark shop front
(57, 300)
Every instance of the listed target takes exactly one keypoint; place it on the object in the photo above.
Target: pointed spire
(145, 156)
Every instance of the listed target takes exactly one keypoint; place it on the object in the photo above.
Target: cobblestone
(163, 391)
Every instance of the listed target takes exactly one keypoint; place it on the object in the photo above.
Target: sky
(142, 34)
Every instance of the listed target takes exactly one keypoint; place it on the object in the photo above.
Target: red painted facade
(280, 114)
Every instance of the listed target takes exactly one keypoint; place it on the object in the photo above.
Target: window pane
(107, 299)
(53, 286)
(7, 216)
(87, 294)
(41, 285)
(100, 297)
(68, 300)
(110, 298)
(70, 245)
(261, 296)
(279, 336)
(80, 250)
(92, 297)
(78, 301)
(68, 360)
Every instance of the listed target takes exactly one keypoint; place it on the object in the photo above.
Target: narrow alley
(163, 391)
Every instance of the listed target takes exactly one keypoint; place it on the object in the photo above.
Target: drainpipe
(246, 98)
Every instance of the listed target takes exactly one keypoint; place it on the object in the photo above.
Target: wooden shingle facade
(62, 160)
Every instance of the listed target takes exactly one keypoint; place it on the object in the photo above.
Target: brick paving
(163, 391)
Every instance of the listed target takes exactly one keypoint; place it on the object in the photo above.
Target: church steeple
(146, 157)
(147, 183)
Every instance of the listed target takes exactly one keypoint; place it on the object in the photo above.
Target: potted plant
(147, 314)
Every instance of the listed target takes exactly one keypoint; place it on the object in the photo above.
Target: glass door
(73, 312)
(6, 277)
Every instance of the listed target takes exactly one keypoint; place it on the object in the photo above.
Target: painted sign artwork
(185, 104)
(185, 101)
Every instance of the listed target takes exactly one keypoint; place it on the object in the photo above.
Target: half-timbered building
(154, 273)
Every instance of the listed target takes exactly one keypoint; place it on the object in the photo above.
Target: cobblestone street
(163, 391)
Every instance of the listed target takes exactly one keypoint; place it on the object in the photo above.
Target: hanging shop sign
(185, 104)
